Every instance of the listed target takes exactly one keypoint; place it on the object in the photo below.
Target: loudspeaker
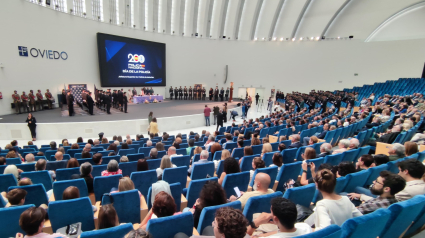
(351, 37)
(423, 73)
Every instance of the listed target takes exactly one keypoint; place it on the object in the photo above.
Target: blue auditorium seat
(143, 180)
(102, 185)
(357, 179)
(153, 163)
(26, 167)
(135, 157)
(54, 165)
(361, 226)
(175, 175)
(246, 163)
(72, 152)
(65, 174)
(301, 195)
(350, 155)
(289, 155)
(334, 159)
(268, 158)
(106, 159)
(176, 193)
(79, 155)
(271, 171)
(237, 153)
(287, 172)
(208, 214)
(9, 218)
(76, 210)
(114, 232)
(39, 177)
(127, 205)
(60, 186)
(259, 204)
(194, 189)
(239, 180)
(181, 223)
(332, 231)
(181, 161)
(200, 171)
(36, 194)
(122, 152)
(128, 168)
(10, 161)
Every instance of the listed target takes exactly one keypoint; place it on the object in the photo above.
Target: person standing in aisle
(207, 112)
(211, 93)
(256, 99)
(32, 125)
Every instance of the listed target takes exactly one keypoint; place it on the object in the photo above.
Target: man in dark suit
(70, 102)
(171, 92)
(222, 94)
(120, 98)
(256, 99)
(325, 149)
(114, 98)
(190, 93)
(295, 140)
(185, 93)
(124, 102)
(180, 93)
(220, 119)
(211, 94)
(388, 138)
(107, 101)
(153, 154)
(227, 94)
(204, 93)
(216, 94)
(90, 103)
(176, 93)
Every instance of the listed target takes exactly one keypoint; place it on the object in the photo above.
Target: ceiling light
(293, 39)
(318, 38)
(255, 38)
(339, 37)
(274, 38)
(312, 38)
(263, 38)
(301, 38)
(281, 39)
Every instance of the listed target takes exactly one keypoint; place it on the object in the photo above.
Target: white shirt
(413, 188)
(329, 212)
(302, 229)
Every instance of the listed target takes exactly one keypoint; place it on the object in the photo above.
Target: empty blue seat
(26, 167)
(287, 172)
(259, 204)
(175, 175)
(301, 195)
(36, 194)
(72, 152)
(54, 165)
(194, 189)
(257, 149)
(145, 150)
(181, 161)
(180, 223)
(357, 179)
(271, 171)
(200, 171)
(10, 161)
(65, 212)
(60, 186)
(114, 232)
(106, 159)
(135, 157)
(65, 174)
(268, 158)
(230, 145)
(370, 225)
(350, 155)
(246, 163)
(237, 153)
(334, 159)
(332, 231)
(208, 214)
(217, 155)
(289, 155)
(105, 153)
(143, 180)
(9, 218)
(39, 177)
(239, 180)
(128, 168)
(153, 163)
(127, 205)
(102, 185)
(36, 158)
(79, 155)
(122, 152)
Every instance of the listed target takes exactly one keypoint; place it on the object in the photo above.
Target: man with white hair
(325, 149)
(29, 159)
(210, 141)
(388, 138)
(172, 152)
(87, 148)
(343, 146)
(59, 156)
(149, 143)
(202, 159)
(295, 141)
(354, 144)
(396, 151)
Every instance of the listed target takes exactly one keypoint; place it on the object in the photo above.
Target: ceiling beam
(255, 18)
(331, 21)
(223, 18)
(277, 13)
(239, 11)
(300, 17)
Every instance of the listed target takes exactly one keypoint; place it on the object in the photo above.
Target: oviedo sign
(48, 54)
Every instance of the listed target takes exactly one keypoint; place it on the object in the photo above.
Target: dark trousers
(185, 97)
(125, 107)
(40, 104)
(256, 102)
(227, 97)
(90, 106)
(49, 102)
(176, 97)
(180, 97)
(33, 133)
(190, 97)
(203, 97)
(219, 124)
(71, 110)
(25, 106)
(32, 107)
(108, 108)
(18, 107)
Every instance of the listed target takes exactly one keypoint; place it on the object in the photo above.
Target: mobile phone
(309, 164)
(238, 193)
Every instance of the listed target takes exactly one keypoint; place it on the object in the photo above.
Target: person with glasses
(385, 187)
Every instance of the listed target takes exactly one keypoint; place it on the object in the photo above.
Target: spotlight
(339, 37)
(301, 38)
(255, 38)
(317, 38)
(312, 38)
(293, 39)
(281, 39)
(274, 38)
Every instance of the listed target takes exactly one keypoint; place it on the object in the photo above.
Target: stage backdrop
(76, 90)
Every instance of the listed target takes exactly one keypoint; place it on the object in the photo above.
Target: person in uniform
(49, 98)
(227, 94)
(195, 93)
(39, 99)
(176, 93)
(32, 101)
(90, 103)
(24, 102)
(190, 93)
(134, 92)
(114, 98)
(171, 92)
(180, 93)
(17, 102)
(222, 94)
(185, 93)
(204, 93)
(199, 93)
(120, 98)
(124, 102)
(107, 102)
(63, 99)
(216, 94)
(256, 99)
(211, 93)
(70, 102)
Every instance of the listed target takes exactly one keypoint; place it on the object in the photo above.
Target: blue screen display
(127, 62)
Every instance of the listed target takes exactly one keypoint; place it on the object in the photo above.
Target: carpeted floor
(167, 108)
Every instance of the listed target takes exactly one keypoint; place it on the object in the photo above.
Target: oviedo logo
(134, 60)
(48, 54)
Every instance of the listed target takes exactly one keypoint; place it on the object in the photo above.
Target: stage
(171, 114)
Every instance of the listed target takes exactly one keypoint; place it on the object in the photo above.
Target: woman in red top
(112, 169)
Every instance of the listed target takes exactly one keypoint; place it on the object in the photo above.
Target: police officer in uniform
(32, 101)
(190, 93)
(227, 94)
(195, 93)
(185, 93)
(70, 102)
(180, 93)
(171, 92)
(90, 103)
(17, 102)
(24, 103)
(39, 99)
(199, 93)
(211, 94)
(176, 93)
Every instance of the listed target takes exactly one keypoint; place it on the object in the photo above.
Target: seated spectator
(85, 173)
(224, 155)
(385, 187)
(247, 151)
(73, 163)
(321, 135)
(160, 146)
(203, 158)
(255, 140)
(41, 166)
(412, 171)
(210, 141)
(29, 159)
(2, 160)
(113, 147)
(281, 147)
(344, 168)
(191, 144)
(96, 143)
(313, 140)
(215, 147)
(212, 194)
(119, 139)
(228, 139)
(295, 141)
(59, 156)
(332, 209)
(87, 148)
(125, 184)
(73, 192)
(32, 221)
(172, 152)
(142, 165)
(257, 163)
(342, 146)
(107, 217)
(387, 138)
(277, 161)
(309, 153)
(305, 165)
(124, 159)
(396, 151)
(15, 197)
(75, 146)
(260, 187)
(80, 140)
(230, 166)
(284, 216)
(410, 148)
(65, 142)
(163, 206)
(112, 169)
(325, 149)
(124, 146)
(97, 159)
(153, 154)
(53, 146)
(61, 149)
(197, 150)
(165, 163)
(364, 162)
(105, 140)
(85, 155)
(28, 181)
(380, 159)
(354, 144)
(267, 147)
(197, 138)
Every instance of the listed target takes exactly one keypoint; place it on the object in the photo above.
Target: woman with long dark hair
(32, 125)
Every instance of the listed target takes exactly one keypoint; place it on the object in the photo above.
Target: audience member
(85, 173)
(380, 159)
(107, 217)
(112, 169)
(165, 163)
(203, 159)
(342, 146)
(29, 159)
(73, 192)
(267, 147)
(354, 144)
(387, 138)
(191, 144)
(15, 197)
(160, 146)
(124, 159)
(277, 161)
(85, 155)
(32, 221)
(396, 151)
(230, 166)
(214, 148)
(412, 171)
(257, 163)
(325, 149)
(295, 141)
(410, 148)
(172, 152)
(41, 166)
(364, 162)
(142, 165)
(163, 206)
(261, 187)
(72, 163)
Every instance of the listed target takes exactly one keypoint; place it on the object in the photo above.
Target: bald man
(87, 148)
(59, 156)
(172, 152)
(29, 159)
(261, 187)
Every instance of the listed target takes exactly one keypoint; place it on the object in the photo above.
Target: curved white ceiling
(267, 20)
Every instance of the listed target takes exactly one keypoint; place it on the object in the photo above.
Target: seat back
(201, 171)
(122, 152)
(182, 151)
(49, 153)
(334, 159)
(36, 194)
(217, 155)
(361, 226)
(114, 232)
(268, 158)
(54, 165)
(102, 185)
(181, 161)
(287, 172)
(26, 167)
(237, 153)
(128, 168)
(402, 216)
(257, 149)
(9, 218)
(362, 151)
(72, 152)
(194, 189)
(106, 159)
(301, 195)
(60, 186)
(329, 136)
(175, 175)
(143, 180)
(208, 214)
(246, 163)
(300, 151)
(135, 157)
(259, 204)
(76, 210)
(153, 163)
(176, 193)
(374, 173)
(10, 161)
(332, 231)
(230, 145)
(418, 223)
(127, 205)
(65, 174)
(239, 180)
(80, 155)
(180, 223)
(317, 162)
(289, 155)
(317, 147)
(145, 150)
(271, 171)
(357, 179)
(39, 177)
(350, 155)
